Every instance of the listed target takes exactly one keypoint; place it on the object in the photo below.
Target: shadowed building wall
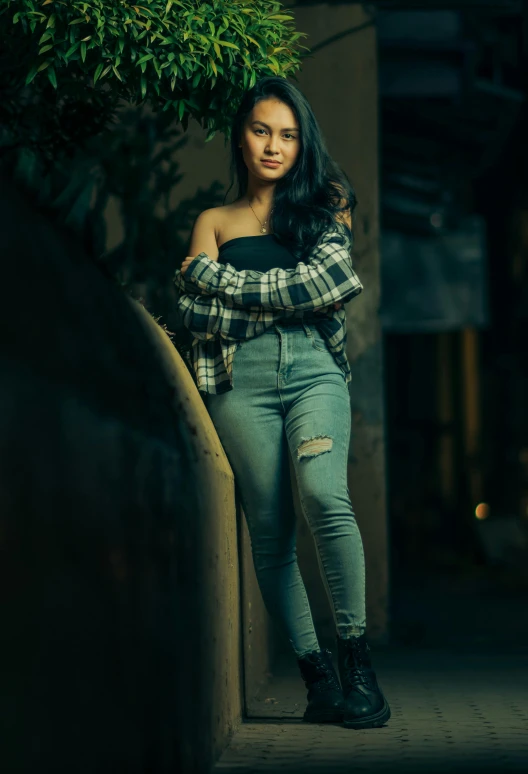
(120, 647)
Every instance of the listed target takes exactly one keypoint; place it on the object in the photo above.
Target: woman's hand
(185, 265)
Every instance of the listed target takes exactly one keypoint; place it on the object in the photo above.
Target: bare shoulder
(205, 233)
(208, 219)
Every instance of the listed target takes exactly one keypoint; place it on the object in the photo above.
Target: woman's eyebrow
(287, 129)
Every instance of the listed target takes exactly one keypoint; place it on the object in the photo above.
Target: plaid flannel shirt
(221, 307)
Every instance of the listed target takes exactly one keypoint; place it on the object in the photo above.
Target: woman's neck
(260, 194)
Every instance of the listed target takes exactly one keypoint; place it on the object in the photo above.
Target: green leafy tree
(95, 98)
(82, 59)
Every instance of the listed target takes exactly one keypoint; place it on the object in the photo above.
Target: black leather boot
(365, 704)
(325, 698)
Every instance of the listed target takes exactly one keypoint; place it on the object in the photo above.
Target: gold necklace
(263, 229)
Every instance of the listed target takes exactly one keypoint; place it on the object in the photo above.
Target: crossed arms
(215, 298)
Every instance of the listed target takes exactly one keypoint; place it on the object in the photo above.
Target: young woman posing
(277, 262)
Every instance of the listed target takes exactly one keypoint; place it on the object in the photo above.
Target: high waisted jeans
(289, 396)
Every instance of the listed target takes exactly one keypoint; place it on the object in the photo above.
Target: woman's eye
(287, 134)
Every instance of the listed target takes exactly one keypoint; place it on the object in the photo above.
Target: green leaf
(52, 77)
(70, 51)
(143, 87)
(44, 49)
(145, 58)
(83, 51)
(31, 74)
(46, 36)
(43, 66)
(78, 21)
(228, 44)
(116, 72)
(51, 21)
(98, 71)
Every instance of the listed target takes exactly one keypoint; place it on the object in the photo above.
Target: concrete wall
(119, 576)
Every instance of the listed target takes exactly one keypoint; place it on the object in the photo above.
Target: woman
(268, 280)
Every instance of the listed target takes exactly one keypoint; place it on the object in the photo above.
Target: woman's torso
(259, 253)
(240, 244)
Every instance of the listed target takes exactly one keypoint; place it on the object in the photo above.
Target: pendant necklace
(263, 229)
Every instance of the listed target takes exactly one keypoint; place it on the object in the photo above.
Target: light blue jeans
(289, 396)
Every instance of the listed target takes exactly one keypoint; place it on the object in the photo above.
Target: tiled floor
(450, 712)
(457, 683)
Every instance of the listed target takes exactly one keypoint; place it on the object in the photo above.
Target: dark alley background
(454, 124)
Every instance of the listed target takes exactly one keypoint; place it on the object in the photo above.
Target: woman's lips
(272, 164)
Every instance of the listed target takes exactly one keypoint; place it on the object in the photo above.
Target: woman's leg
(318, 429)
(250, 423)
(317, 424)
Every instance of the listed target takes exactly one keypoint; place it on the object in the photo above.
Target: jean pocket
(319, 342)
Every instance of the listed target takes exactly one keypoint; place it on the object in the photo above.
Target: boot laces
(325, 672)
(358, 670)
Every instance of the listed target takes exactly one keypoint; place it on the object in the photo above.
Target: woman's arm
(327, 278)
(206, 317)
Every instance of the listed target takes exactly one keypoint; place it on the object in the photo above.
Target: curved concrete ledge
(188, 401)
(214, 481)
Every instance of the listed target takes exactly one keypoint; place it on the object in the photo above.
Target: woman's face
(270, 133)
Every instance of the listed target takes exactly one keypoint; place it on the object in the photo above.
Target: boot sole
(371, 721)
(330, 716)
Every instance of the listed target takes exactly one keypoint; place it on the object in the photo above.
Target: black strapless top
(259, 253)
(262, 253)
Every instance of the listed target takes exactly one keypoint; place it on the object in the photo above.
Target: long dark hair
(308, 198)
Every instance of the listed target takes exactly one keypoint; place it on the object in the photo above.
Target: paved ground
(461, 707)
(450, 712)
